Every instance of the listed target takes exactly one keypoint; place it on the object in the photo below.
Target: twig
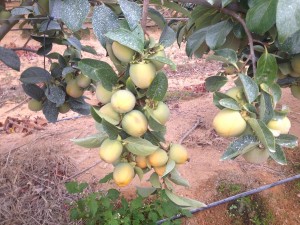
(82, 171)
(190, 130)
(21, 103)
(145, 14)
(24, 49)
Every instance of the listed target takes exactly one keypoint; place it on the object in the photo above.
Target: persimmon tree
(256, 40)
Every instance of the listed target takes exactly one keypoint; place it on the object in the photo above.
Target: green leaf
(34, 75)
(195, 41)
(112, 130)
(217, 97)
(185, 202)
(158, 87)
(74, 13)
(139, 146)
(102, 26)
(145, 191)
(10, 58)
(99, 71)
(126, 38)
(157, 17)
(164, 60)
(92, 141)
(113, 194)
(287, 19)
(279, 155)
(217, 33)
(274, 90)
(132, 12)
(266, 69)
(266, 111)
(93, 206)
(167, 37)
(50, 111)
(250, 87)
(74, 187)
(155, 125)
(95, 115)
(226, 2)
(214, 83)
(263, 133)
(107, 178)
(291, 44)
(176, 178)
(154, 180)
(89, 49)
(229, 103)
(139, 172)
(227, 56)
(34, 91)
(240, 146)
(74, 42)
(55, 94)
(287, 141)
(172, 5)
(262, 16)
(170, 166)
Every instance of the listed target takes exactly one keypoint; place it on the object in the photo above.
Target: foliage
(112, 208)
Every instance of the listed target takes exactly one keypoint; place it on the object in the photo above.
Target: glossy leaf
(95, 115)
(287, 141)
(74, 42)
(266, 69)
(74, 13)
(92, 141)
(164, 60)
(184, 202)
(55, 94)
(158, 87)
(266, 111)
(214, 83)
(126, 38)
(195, 41)
(99, 71)
(240, 146)
(229, 103)
(262, 16)
(145, 191)
(50, 111)
(176, 178)
(263, 133)
(139, 146)
(79, 105)
(167, 37)
(169, 167)
(34, 75)
(279, 155)
(250, 87)
(103, 20)
(274, 90)
(217, 33)
(34, 91)
(287, 19)
(132, 12)
(154, 180)
(291, 44)
(157, 17)
(217, 97)
(112, 130)
(10, 58)
(105, 179)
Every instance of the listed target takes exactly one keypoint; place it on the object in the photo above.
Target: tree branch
(24, 49)
(145, 14)
(13, 20)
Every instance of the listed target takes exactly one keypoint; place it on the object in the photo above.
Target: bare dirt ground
(210, 178)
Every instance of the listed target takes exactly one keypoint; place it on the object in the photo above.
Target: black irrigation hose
(229, 199)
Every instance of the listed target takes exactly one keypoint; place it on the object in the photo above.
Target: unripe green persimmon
(35, 105)
(178, 153)
(229, 70)
(158, 158)
(158, 65)
(102, 94)
(110, 114)
(142, 74)
(236, 93)
(123, 53)
(135, 123)
(43, 6)
(83, 81)
(73, 89)
(123, 174)
(64, 108)
(4, 15)
(295, 89)
(69, 77)
(256, 155)
(281, 125)
(110, 150)
(229, 123)
(296, 63)
(161, 113)
(123, 101)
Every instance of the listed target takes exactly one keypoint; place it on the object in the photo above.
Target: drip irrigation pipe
(234, 197)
